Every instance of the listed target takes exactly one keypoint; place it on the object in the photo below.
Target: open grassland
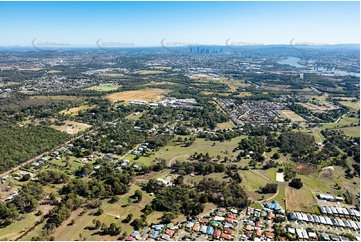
(226, 125)
(233, 85)
(354, 106)
(154, 83)
(174, 151)
(281, 195)
(251, 182)
(112, 74)
(193, 180)
(294, 117)
(162, 67)
(122, 208)
(147, 95)
(299, 199)
(55, 98)
(14, 230)
(316, 133)
(71, 127)
(207, 93)
(342, 122)
(134, 116)
(54, 71)
(244, 94)
(151, 72)
(320, 98)
(74, 111)
(321, 182)
(9, 84)
(103, 87)
(351, 131)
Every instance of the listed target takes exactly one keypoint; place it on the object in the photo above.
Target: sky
(177, 23)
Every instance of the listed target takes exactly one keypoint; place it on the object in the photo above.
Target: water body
(293, 61)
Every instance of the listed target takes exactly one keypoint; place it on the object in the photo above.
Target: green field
(103, 87)
(252, 181)
(151, 72)
(343, 121)
(122, 208)
(226, 125)
(281, 194)
(351, 131)
(134, 116)
(174, 151)
(14, 230)
(354, 106)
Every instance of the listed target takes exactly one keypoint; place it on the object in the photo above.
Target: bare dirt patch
(304, 169)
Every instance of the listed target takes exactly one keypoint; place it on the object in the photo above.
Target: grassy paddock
(147, 95)
(71, 127)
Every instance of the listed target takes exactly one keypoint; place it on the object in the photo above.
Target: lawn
(299, 199)
(71, 127)
(147, 95)
(104, 87)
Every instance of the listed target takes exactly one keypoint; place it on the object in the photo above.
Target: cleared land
(351, 131)
(354, 106)
(147, 95)
(252, 181)
(134, 116)
(226, 125)
(344, 121)
(294, 117)
(103, 87)
(150, 72)
(112, 74)
(74, 111)
(299, 199)
(174, 151)
(71, 127)
(122, 208)
(71, 98)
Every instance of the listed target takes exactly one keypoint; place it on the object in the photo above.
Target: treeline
(19, 144)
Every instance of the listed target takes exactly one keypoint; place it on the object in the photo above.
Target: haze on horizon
(202, 23)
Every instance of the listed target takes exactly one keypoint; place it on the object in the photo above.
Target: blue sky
(147, 23)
